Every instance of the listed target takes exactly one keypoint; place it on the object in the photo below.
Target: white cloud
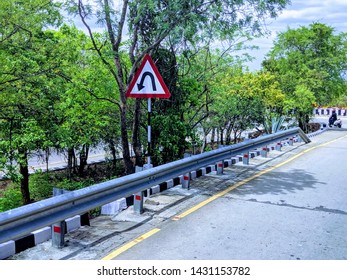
(302, 13)
(307, 13)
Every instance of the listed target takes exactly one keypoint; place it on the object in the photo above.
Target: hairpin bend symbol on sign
(148, 82)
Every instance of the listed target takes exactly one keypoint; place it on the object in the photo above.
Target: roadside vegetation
(62, 88)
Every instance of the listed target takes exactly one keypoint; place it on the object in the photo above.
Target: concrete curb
(326, 111)
(39, 236)
(10, 248)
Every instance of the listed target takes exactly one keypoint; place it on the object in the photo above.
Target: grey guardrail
(20, 221)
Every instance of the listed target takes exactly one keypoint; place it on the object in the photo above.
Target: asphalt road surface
(288, 206)
(295, 210)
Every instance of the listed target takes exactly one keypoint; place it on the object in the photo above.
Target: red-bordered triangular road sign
(148, 82)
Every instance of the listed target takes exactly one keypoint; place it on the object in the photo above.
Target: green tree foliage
(301, 99)
(246, 100)
(83, 117)
(169, 129)
(90, 108)
(312, 61)
(173, 24)
(25, 93)
(60, 89)
(10, 198)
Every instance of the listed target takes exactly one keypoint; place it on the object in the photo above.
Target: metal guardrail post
(58, 234)
(20, 221)
(220, 167)
(138, 203)
(138, 197)
(291, 141)
(245, 159)
(263, 152)
(186, 181)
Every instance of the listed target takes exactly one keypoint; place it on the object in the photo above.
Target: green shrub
(10, 198)
(71, 185)
(208, 148)
(41, 186)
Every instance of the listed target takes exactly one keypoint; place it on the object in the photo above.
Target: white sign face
(148, 82)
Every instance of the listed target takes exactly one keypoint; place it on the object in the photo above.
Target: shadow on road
(280, 183)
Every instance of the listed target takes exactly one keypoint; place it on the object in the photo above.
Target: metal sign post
(149, 132)
(149, 84)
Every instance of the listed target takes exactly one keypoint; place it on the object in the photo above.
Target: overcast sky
(302, 13)
(299, 13)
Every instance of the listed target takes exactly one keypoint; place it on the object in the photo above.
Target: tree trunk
(47, 160)
(129, 166)
(204, 143)
(24, 181)
(228, 135)
(136, 134)
(114, 157)
(115, 40)
(221, 136)
(303, 121)
(70, 161)
(235, 137)
(213, 136)
(83, 159)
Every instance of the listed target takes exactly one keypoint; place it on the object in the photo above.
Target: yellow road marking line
(205, 202)
(222, 193)
(130, 244)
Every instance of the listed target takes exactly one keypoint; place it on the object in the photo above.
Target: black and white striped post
(149, 133)
(138, 197)
(147, 83)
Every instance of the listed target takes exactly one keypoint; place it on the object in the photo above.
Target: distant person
(332, 118)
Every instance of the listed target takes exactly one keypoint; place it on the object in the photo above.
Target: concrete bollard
(227, 162)
(7, 249)
(73, 223)
(155, 189)
(42, 235)
(278, 147)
